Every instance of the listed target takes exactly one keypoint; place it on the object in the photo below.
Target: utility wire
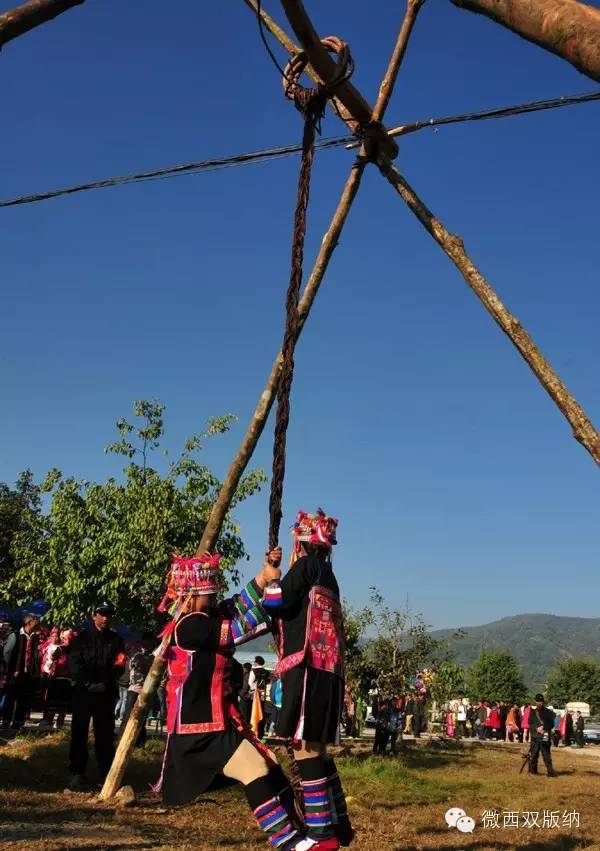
(275, 153)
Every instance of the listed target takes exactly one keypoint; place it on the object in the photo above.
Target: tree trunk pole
(413, 7)
(453, 247)
(583, 429)
(567, 28)
(258, 421)
(23, 18)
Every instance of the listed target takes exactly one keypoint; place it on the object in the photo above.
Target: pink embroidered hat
(191, 577)
(318, 529)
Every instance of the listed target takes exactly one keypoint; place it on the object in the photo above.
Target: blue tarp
(38, 607)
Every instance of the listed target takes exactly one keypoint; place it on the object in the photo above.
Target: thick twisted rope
(311, 103)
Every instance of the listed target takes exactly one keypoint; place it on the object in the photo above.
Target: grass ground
(396, 803)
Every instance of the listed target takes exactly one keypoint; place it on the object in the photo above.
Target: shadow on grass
(41, 764)
(556, 843)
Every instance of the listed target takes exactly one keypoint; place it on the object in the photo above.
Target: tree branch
(23, 18)
(567, 28)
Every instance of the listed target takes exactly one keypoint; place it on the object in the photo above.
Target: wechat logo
(455, 817)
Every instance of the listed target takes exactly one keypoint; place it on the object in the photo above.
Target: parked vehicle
(591, 730)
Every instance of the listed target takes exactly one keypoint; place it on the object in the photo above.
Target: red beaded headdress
(317, 529)
(191, 577)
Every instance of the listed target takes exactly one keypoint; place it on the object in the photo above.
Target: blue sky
(457, 482)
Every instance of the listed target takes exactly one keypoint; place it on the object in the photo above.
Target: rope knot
(311, 102)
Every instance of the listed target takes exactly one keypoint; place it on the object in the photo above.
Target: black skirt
(311, 706)
(194, 761)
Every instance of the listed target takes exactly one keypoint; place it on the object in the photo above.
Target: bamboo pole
(29, 15)
(261, 412)
(452, 245)
(567, 28)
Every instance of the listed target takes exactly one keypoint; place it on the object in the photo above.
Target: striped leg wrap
(273, 819)
(342, 826)
(317, 805)
(265, 796)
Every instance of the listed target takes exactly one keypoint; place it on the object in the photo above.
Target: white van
(578, 706)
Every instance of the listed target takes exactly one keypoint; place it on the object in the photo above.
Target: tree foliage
(449, 681)
(20, 514)
(496, 676)
(575, 679)
(115, 539)
(398, 645)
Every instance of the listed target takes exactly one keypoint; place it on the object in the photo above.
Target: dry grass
(395, 803)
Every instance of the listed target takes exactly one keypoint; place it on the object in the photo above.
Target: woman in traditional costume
(206, 734)
(308, 625)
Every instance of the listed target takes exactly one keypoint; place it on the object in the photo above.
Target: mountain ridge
(537, 640)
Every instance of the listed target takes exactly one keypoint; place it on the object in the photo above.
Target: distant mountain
(536, 641)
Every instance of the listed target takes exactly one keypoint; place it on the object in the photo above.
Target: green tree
(496, 676)
(360, 672)
(115, 539)
(20, 515)
(401, 645)
(449, 681)
(574, 679)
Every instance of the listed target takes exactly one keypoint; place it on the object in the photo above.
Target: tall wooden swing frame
(378, 148)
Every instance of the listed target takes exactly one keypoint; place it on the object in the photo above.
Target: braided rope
(311, 103)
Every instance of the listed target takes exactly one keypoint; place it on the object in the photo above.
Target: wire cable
(201, 166)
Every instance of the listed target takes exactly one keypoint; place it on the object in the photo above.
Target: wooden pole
(452, 245)
(567, 28)
(259, 418)
(23, 18)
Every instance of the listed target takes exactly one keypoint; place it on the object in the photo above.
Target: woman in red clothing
(493, 722)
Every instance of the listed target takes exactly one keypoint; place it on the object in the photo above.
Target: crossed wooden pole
(379, 148)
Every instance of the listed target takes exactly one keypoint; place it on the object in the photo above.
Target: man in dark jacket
(22, 661)
(541, 724)
(95, 663)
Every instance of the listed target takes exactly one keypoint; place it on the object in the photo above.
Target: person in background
(493, 723)
(541, 724)
(525, 713)
(23, 670)
(449, 721)
(472, 718)
(512, 724)
(558, 729)
(396, 719)
(123, 683)
(382, 723)
(503, 712)
(360, 709)
(56, 688)
(276, 695)
(257, 686)
(349, 713)
(461, 718)
(138, 671)
(482, 714)
(96, 661)
(5, 632)
(245, 700)
(409, 710)
(579, 730)
(419, 716)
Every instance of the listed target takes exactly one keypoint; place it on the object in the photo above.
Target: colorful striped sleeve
(250, 620)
